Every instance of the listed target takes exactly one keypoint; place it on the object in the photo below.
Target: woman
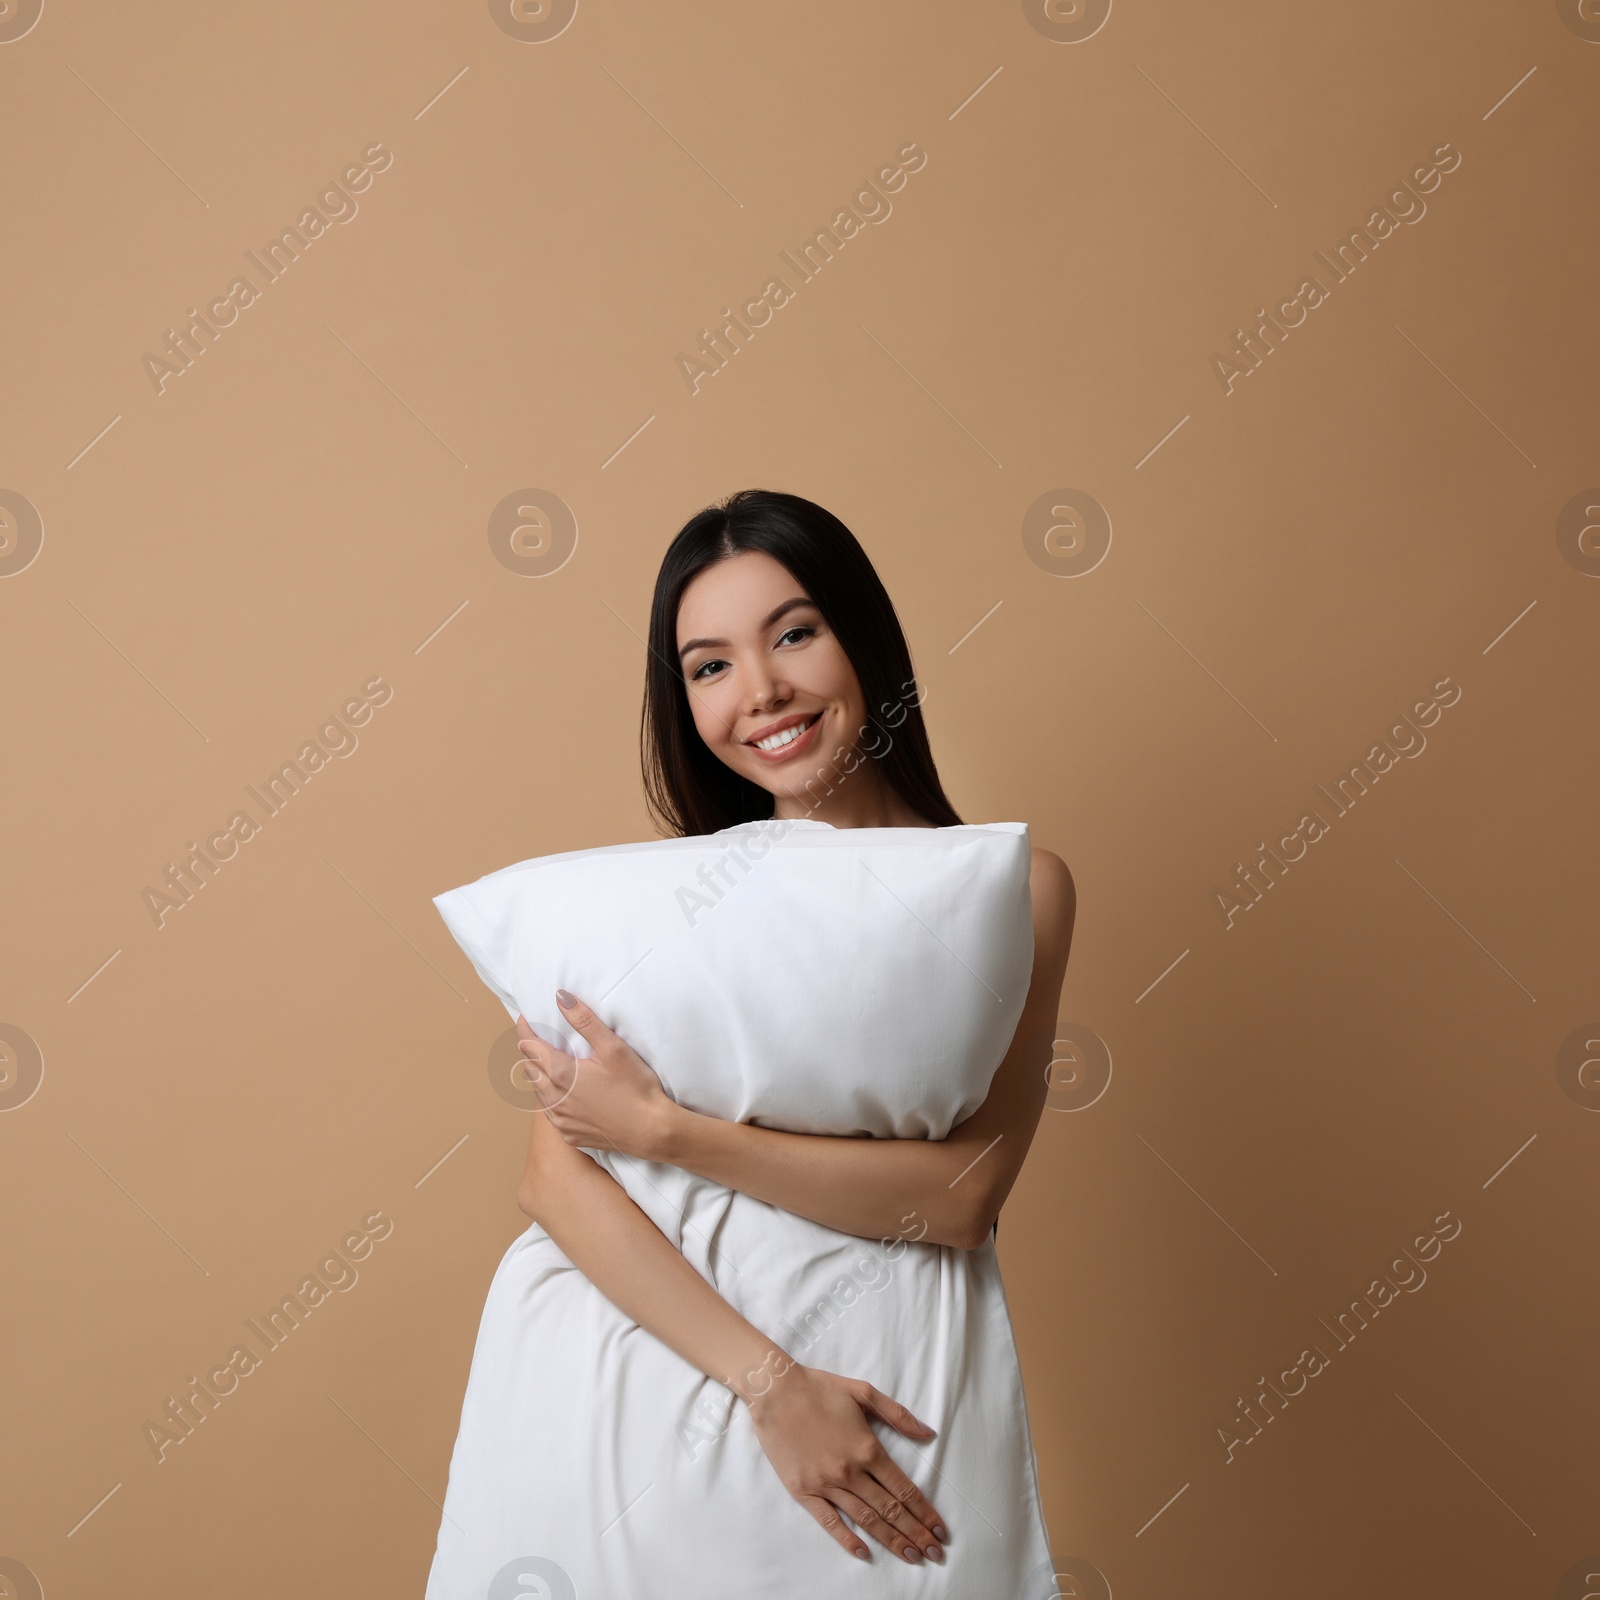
(779, 685)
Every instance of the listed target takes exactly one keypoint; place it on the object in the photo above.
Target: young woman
(779, 685)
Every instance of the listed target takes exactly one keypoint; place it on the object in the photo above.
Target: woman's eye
(704, 670)
(801, 631)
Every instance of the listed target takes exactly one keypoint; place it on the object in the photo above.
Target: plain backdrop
(1158, 588)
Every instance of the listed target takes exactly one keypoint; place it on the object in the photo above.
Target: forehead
(735, 595)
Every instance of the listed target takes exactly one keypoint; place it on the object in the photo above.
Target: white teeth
(788, 736)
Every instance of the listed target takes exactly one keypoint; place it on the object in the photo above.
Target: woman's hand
(608, 1101)
(813, 1427)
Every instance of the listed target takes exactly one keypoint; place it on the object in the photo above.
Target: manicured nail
(564, 1000)
(938, 1531)
(911, 1553)
(935, 1553)
(862, 1553)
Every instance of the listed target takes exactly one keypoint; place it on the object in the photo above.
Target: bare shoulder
(1050, 879)
(1055, 898)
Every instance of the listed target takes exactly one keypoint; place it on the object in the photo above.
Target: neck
(852, 803)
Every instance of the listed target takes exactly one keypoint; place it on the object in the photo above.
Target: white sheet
(833, 981)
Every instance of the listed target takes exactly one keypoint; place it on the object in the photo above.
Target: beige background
(307, 505)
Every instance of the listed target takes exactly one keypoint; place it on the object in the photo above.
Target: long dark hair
(688, 790)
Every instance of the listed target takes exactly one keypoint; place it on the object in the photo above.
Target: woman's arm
(636, 1267)
(947, 1191)
(811, 1424)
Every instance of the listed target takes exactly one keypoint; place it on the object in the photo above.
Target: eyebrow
(766, 622)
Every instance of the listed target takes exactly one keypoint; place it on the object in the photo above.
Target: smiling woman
(833, 1070)
(819, 649)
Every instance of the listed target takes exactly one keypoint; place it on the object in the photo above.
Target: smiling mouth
(785, 739)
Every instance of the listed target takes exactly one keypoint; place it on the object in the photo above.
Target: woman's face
(773, 694)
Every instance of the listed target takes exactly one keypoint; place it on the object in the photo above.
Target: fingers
(887, 1470)
(552, 1072)
(534, 1063)
(892, 1412)
(879, 1515)
(834, 1525)
(556, 1065)
(920, 1521)
(588, 1025)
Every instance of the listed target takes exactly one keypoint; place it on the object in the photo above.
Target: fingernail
(862, 1554)
(935, 1553)
(938, 1531)
(912, 1553)
(564, 1000)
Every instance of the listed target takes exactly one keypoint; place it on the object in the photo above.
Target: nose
(764, 691)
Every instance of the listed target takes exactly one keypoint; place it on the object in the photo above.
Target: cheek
(831, 676)
(848, 690)
(709, 723)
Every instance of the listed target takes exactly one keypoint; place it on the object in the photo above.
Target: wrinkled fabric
(860, 981)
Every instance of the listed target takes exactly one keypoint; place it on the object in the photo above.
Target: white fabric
(819, 980)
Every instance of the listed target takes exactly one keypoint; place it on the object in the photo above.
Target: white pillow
(806, 977)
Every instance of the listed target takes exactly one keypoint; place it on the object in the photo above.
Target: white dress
(593, 1463)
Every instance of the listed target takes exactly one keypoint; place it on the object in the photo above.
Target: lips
(786, 737)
